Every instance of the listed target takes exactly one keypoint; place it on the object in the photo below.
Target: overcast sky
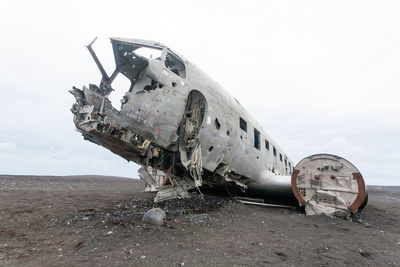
(320, 76)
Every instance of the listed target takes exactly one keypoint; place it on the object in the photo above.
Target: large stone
(154, 216)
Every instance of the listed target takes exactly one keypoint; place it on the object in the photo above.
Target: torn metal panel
(150, 180)
(189, 144)
(179, 188)
(326, 202)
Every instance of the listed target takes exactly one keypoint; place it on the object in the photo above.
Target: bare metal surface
(180, 125)
(265, 204)
(328, 184)
(178, 121)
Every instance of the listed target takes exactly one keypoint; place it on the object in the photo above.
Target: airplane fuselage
(180, 125)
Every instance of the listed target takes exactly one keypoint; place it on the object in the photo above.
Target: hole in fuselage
(120, 86)
(148, 88)
(217, 124)
(210, 148)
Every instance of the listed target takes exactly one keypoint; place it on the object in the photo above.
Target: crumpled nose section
(100, 123)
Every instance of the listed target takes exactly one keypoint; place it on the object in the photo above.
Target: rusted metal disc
(328, 183)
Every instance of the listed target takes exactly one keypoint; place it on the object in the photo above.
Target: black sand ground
(94, 220)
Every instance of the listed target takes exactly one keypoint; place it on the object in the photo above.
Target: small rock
(365, 254)
(85, 218)
(109, 233)
(154, 216)
(142, 257)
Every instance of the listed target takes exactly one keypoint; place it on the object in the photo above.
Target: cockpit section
(131, 63)
(137, 110)
(140, 66)
(132, 59)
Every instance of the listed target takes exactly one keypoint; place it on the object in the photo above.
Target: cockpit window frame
(178, 68)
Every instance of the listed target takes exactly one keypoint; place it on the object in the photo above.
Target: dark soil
(95, 220)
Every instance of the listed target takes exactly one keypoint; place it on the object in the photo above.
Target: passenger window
(274, 151)
(256, 139)
(266, 144)
(243, 125)
(285, 162)
(280, 156)
(174, 64)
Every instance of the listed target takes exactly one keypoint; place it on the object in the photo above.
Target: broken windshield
(174, 64)
(149, 53)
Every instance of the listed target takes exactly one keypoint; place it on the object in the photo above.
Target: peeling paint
(164, 123)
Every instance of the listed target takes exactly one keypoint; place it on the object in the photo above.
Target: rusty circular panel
(328, 181)
(361, 192)
(296, 192)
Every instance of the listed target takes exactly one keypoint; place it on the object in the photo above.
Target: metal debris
(329, 185)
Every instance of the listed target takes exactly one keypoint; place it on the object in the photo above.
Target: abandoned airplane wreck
(189, 133)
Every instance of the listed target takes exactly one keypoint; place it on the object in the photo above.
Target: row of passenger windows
(243, 126)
